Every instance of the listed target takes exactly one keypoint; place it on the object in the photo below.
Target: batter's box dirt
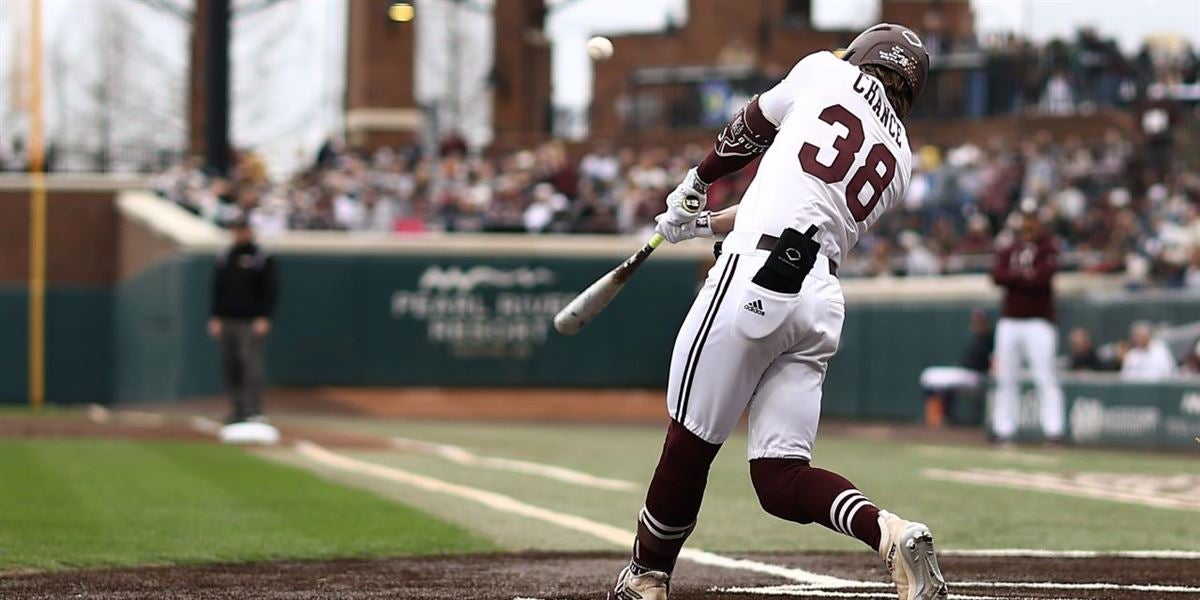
(579, 576)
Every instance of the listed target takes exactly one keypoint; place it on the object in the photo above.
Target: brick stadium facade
(751, 42)
(647, 93)
(381, 108)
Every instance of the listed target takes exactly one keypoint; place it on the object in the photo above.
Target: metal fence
(81, 159)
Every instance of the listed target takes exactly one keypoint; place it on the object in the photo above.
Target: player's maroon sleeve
(745, 137)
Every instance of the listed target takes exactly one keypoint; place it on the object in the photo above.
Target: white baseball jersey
(840, 160)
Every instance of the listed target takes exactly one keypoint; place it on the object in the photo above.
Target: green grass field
(71, 503)
(74, 503)
(891, 473)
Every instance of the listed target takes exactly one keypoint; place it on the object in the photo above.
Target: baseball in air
(599, 48)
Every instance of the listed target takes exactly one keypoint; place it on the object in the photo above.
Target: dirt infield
(74, 426)
(473, 404)
(136, 425)
(526, 405)
(579, 576)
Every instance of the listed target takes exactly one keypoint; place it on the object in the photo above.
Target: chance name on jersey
(872, 91)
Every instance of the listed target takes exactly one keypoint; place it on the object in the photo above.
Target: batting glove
(701, 226)
(687, 200)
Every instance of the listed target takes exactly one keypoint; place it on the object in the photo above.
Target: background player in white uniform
(1025, 269)
(759, 336)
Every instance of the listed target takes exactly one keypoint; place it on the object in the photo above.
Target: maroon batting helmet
(893, 47)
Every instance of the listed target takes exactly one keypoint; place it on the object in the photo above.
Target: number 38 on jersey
(877, 172)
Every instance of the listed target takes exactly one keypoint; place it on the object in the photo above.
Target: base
(249, 433)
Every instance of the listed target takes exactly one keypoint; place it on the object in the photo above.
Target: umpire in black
(245, 286)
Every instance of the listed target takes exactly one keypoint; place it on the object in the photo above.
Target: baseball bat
(591, 302)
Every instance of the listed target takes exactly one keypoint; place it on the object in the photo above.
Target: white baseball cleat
(907, 552)
(651, 585)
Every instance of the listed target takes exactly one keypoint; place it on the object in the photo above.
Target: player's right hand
(700, 227)
(686, 201)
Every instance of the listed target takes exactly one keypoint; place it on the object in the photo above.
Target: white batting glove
(701, 226)
(687, 200)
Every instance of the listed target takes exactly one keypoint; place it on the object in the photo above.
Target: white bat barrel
(587, 305)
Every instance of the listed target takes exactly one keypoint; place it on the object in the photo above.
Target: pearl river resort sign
(480, 310)
(488, 320)
(1109, 412)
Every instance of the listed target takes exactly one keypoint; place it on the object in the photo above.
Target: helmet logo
(911, 37)
(896, 55)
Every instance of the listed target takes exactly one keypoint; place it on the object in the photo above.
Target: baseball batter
(1025, 269)
(759, 336)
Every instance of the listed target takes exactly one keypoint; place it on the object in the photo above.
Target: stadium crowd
(1148, 354)
(1119, 204)
(1114, 207)
(1005, 73)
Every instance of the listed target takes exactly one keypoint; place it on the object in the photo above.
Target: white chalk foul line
(1036, 553)
(1043, 482)
(98, 414)
(809, 579)
(139, 418)
(205, 425)
(999, 455)
(607, 533)
(462, 456)
(808, 592)
(1047, 585)
(785, 590)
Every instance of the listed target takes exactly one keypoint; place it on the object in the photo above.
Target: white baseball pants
(1034, 340)
(742, 346)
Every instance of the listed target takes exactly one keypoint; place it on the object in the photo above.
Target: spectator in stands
(1191, 365)
(1058, 99)
(944, 385)
(1112, 214)
(1191, 274)
(13, 155)
(918, 260)
(244, 289)
(1148, 359)
(600, 167)
(329, 152)
(1082, 356)
(544, 211)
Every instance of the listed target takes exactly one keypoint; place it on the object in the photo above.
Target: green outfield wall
(78, 344)
(1103, 410)
(406, 320)
(477, 320)
(885, 345)
(466, 320)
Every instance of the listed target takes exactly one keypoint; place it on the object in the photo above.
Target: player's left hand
(686, 201)
(701, 226)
